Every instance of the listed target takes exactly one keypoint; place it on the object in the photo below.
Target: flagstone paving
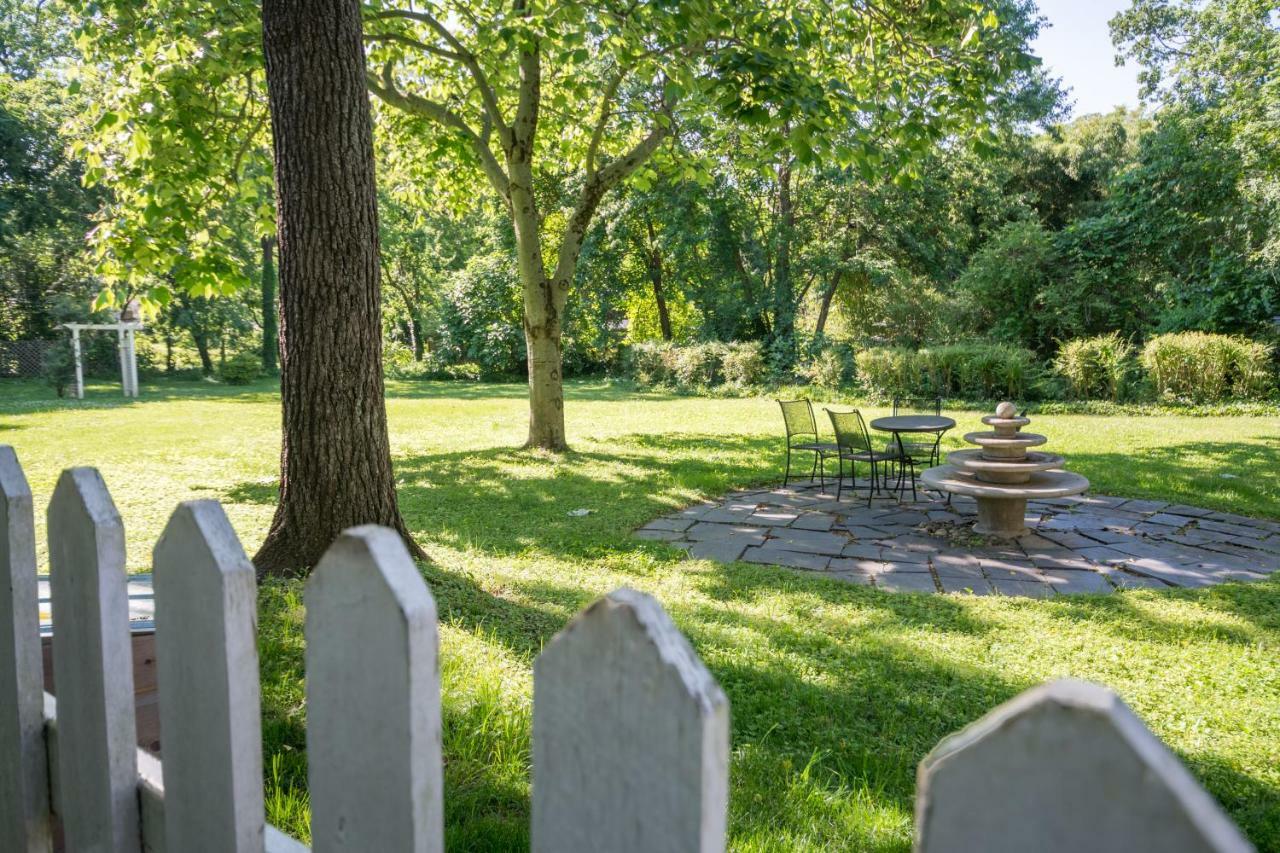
(1083, 544)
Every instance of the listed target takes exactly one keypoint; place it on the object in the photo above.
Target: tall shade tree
(583, 95)
(335, 465)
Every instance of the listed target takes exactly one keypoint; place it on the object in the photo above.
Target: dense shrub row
(1185, 366)
(740, 365)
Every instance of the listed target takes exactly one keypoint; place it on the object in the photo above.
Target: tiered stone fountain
(1002, 474)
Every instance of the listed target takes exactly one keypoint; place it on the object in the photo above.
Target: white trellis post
(24, 779)
(630, 736)
(92, 667)
(126, 346)
(373, 704)
(75, 351)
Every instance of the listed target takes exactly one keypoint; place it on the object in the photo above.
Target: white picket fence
(630, 730)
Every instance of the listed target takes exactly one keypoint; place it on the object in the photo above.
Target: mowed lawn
(837, 691)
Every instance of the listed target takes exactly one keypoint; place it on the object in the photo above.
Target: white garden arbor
(125, 328)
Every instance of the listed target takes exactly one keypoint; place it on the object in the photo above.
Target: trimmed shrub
(888, 372)
(1205, 367)
(742, 364)
(1096, 368)
(696, 365)
(241, 369)
(647, 363)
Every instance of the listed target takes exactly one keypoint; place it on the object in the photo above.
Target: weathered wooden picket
(630, 730)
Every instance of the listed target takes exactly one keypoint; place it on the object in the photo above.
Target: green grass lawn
(837, 691)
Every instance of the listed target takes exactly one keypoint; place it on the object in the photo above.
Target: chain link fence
(24, 359)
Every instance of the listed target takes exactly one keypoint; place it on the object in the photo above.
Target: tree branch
(466, 57)
(414, 43)
(439, 113)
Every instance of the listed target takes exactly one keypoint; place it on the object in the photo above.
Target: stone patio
(1089, 543)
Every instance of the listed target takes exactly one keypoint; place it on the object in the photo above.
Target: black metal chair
(922, 451)
(855, 445)
(800, 423)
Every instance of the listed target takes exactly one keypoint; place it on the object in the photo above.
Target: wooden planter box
(146, 697)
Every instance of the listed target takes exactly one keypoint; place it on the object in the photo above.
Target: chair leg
(814, 471)
(839, 476)
(787, 476)
(912, 463)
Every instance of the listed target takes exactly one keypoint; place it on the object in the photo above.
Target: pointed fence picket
(630, 730)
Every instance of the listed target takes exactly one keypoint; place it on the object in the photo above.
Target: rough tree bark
(270, 324)
(654, 257)
(335, 462)
(784, 304)
(824, 309)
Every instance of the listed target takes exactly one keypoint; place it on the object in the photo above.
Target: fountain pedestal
(1002, 474)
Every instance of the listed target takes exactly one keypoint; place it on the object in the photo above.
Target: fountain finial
(1006, 410)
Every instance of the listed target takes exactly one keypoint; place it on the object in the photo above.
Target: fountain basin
(1002, 470)
(1040, 485)
(1002, 507)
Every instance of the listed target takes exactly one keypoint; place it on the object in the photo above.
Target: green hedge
(741, 365)
(241, 369)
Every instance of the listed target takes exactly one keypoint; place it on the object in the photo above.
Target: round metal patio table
(898, 424)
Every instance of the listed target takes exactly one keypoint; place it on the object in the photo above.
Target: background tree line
(1034, 231)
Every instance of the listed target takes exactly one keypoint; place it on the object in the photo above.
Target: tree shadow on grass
(589, 389)
(1192, 473)
(830, 715)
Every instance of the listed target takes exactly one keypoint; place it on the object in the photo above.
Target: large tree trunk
(335, 463)
(544, 297)
(270, 326)
(655, 277)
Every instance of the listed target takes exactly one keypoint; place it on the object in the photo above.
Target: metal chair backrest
(851, 431)
(917, 406)
(798, 416)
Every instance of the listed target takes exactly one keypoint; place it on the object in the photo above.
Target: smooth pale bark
(335, 463)
(511, 176)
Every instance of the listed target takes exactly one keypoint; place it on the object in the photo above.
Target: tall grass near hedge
(1204, 367)
(1098, 368)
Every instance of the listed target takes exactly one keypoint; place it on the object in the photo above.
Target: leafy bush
(241, 369)
(738, 365)
(888, 372)
(465, 371)
(59, 367)
(1203, 367)
(647, 363)
(743, 365)
(696, 365)
(396, 358)
(826, 369)
(1096, 368)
